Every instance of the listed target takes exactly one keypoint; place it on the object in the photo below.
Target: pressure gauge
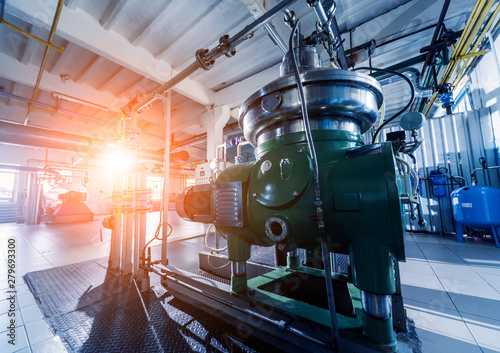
(412, 121)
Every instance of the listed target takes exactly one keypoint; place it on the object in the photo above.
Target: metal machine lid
(329, 93)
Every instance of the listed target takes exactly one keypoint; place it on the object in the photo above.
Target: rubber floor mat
(96, 310)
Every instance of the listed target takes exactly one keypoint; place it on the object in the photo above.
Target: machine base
(266, 312)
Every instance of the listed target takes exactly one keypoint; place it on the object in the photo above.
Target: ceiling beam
(72, 4)
(13, 70)
(92, 67)
(111, 14)
(26, 53)
(143, 33)
(79, 27)
(234, 95)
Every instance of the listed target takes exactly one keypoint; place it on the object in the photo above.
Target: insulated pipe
(52, 34)
(142, 235)
(414, 76)
(54, 109)
(137, 220)
(18, 134)
(211, 55)
(167, 110)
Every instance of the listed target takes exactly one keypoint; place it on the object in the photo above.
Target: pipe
(276, 38)
(439, 24)
(472, 28)
(18, 134)
(332, 27)
(53, 109)
(473, 178)
(243, 142)
(210, 56)
(52, 34)
(167, 110)
(414, 76)
(27, 34)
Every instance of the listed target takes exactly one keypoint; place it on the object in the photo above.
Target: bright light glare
(118, 162)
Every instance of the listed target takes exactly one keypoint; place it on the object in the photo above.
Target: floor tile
(459, 271)
(52, 345)
(474, 298)
(485, 331)
(441, 329)
(31, 313)
(26, 300)
(38, 331)
(435, 297)
(5, 319)
(20, 341)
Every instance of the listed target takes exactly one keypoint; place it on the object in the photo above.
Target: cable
(412, 89)
(206, 240)
(317, 193)
(217, 267)
(157, 234)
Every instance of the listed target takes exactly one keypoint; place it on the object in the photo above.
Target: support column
(214, 121)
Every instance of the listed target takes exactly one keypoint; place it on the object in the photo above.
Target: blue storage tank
(476, 206)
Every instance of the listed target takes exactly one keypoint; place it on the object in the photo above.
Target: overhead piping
(206, 58)
(439, 24)
(471, 30)
(27, 34)
(53, 109)
(414, 76)
(52, 34)
(18, 134)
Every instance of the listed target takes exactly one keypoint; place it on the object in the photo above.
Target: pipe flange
(201, 60)
(276, 229)
(226, 47)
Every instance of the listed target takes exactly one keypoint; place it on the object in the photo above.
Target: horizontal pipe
(18, 134)
(17, 29)
(27, 169)
(53, 109)
(211, 55)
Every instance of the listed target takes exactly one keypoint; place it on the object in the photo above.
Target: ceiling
(115, 50)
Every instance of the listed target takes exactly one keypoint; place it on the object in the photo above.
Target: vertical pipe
(142, 233)
(137, 250)
(166, 177)
(116, 232)
(127, 266)
(456, 144)
(52, 34)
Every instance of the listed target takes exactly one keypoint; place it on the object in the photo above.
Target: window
(7, 185)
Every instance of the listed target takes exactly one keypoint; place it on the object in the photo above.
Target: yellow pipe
(471, 29)
(17, 29)
(44, 109)
(428, 109)
(478, 41)
(471, 55)
(52, 34)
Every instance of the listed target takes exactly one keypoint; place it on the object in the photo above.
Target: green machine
(273, 201)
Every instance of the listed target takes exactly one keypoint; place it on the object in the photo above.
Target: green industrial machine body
(272, 201)
(359, 186)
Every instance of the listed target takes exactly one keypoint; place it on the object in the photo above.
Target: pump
(272, 201)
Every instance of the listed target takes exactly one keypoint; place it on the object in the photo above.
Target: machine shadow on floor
(93, 309)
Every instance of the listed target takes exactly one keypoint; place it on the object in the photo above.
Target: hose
(412, 98)
(413, 173)
(317, 194)
(206, 241)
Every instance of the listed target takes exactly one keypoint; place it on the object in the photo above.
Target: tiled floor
(451, 290)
